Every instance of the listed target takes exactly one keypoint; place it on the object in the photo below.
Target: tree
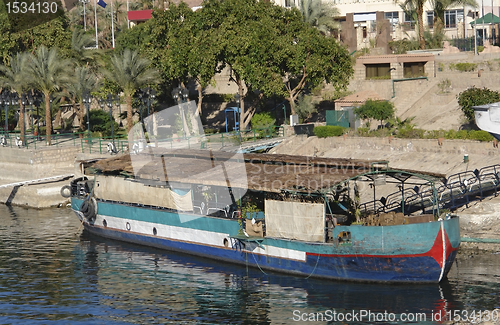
(474, 97)
(418, 7)
(319, 14)
(131, 71)
(380, 110)
(48, 71)
(15, 78)
(311, 60)
(80, 44)
(83, 81)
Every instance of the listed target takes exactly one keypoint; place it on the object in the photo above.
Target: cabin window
(344, 237)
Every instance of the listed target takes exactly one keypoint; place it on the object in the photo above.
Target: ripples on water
(50, 275)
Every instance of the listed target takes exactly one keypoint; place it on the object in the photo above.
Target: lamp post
(31, 101)
(5, 98)
(87, 99)
(237, 99)
(181, 94)
(37, 100)
(23, 124)
(117, 103)
(109, 102)
(14, 98)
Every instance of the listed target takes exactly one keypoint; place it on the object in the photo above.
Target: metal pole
(95, 20)
(87, 104)
(112, 26)
(38, 121)
(84, 16)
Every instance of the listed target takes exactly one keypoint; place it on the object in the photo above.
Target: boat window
(344, 237)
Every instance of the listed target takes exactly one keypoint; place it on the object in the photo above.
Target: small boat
(307, 216)
(488, 118)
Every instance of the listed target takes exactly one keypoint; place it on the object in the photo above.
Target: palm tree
(319, 14)
(418, 7)
(84, 81)
(80, 44)
(15, 78)
(48, 72)
(131, 71)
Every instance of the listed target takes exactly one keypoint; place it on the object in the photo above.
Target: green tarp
(489, 18)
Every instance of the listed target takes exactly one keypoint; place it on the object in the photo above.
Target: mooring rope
(258, 264)
(314, 268)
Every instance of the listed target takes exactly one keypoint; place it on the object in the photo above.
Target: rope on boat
(314, 268)
(258, 264)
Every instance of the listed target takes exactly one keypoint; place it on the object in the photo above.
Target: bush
(305, 107)
(262, 120)
(464, 66)
(480, 135)
(474, 97)
(328, 131)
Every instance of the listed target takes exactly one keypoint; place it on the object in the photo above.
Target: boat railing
(458, 189)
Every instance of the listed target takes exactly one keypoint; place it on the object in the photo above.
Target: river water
(53, 273)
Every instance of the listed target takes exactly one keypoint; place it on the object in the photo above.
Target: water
(49, 275)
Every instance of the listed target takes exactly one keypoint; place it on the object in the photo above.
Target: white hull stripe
(190, 235)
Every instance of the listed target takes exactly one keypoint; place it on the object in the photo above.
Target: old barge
(313, 217)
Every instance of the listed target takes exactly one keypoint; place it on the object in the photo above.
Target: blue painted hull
(421, 252)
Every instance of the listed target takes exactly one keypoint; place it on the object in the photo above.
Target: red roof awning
(139, 15)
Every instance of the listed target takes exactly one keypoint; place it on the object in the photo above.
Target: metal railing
(457, 190)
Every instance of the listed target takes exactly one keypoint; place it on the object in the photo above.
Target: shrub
(480, 135)
(473, 97)
(463, 66)
(328, 131)
(305, 107)
(262, 120)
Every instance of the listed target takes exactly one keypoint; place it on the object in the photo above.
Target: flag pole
(112, 25)
(95, 19)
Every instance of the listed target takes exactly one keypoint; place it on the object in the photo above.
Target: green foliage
(403, 46)
(480, 49)
(328, 131)
(380, 110)
(305, 107)
(474, 97)
(463, 66)
(444, 85)
(262, 120)
(100, 122)
(480, 135)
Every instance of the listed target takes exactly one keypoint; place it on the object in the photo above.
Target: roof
(489, 18)
(139, 15)
(264, 172)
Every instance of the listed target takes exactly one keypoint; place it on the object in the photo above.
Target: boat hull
(417, 253)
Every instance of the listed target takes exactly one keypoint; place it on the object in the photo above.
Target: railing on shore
(102, 145)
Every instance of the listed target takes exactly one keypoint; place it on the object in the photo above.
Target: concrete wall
(415, 154)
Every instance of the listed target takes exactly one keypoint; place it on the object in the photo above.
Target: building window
(289, 3)
(430, 19)
(409, 22)
(378, 71)
(413, 69)
(393, 18)
(451, 17)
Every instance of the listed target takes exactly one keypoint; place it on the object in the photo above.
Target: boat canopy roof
(260, 172)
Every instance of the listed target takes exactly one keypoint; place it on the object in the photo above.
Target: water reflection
(170, 286)
(47, 274)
